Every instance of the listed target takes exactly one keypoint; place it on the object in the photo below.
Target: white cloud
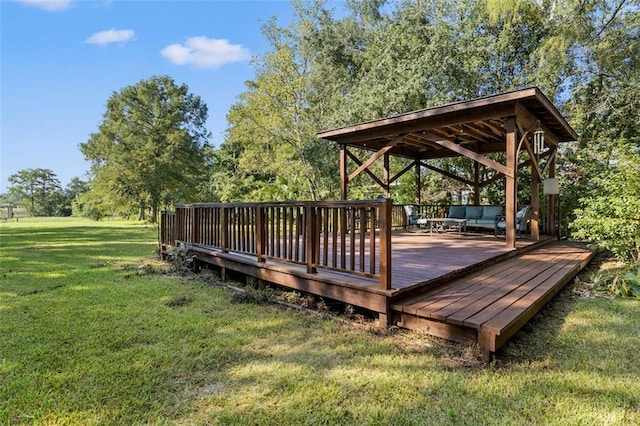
(110, 36)
(204, 52)
(48, 5)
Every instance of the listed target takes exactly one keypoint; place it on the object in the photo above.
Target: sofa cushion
(521, 214)
(473, 212)
(485, 223)
(457, 212)
(491, 212)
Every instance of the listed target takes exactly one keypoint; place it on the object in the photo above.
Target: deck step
(494, 303)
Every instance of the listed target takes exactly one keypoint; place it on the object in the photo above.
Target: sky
(60, 60)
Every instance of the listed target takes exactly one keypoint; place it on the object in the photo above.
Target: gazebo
(523, 121)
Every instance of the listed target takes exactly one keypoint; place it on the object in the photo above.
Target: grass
(87, 339)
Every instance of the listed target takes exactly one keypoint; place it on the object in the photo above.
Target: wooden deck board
(574, 263)
(454, 291)
(497, 290)
(497, 301)
(544, 274)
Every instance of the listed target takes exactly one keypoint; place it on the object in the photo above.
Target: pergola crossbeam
(447, 174)
(365, 165)
(452, 146)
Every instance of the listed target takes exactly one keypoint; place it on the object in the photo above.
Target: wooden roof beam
(528, 119)
(368, 131)
(472, 155)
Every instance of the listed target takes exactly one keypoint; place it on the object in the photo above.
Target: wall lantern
(538, 141)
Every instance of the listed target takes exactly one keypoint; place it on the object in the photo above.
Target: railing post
(261, 233)
(224, 232)
(385, 207)
(195, 225)
(310, 219)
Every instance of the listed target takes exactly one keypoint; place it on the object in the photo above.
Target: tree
(38, 190)
(610, 216)
(151, 147)
(73, 190)
(271, 145)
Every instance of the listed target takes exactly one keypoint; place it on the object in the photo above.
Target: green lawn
(86, 339)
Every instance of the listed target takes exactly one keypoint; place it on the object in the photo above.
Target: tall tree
(151, 147)
(271, 143)
(74, 189)
(37, 189)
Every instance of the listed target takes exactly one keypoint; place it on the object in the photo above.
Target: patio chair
(413, 218)
(523, 217)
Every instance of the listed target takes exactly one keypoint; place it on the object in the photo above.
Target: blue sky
(62, 59)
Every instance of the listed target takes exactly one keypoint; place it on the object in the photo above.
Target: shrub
(610, 214)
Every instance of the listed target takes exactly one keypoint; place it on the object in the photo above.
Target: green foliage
(620, 284)
(37, 190)
(610, 213)
(151, 147)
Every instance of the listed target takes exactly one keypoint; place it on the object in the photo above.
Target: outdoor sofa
(476, 216)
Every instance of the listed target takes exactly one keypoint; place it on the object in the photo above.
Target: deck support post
(476, 183)
(535, 204)
(418, 196)
(224, 232)
(261, 234)
(384, 320)
(511, 184)
(195, 230)
(386, 206)
(486, 344)
(344, 176)
(551, 201)
(386, 175)
(311, 223)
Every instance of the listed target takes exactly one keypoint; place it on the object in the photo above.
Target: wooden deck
(494, 303)
(468, 288)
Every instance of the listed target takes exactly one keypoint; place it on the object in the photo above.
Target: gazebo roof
(478, 125)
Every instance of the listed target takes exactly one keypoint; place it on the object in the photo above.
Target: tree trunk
(142, 210)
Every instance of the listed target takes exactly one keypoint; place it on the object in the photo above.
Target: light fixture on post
(538, 141)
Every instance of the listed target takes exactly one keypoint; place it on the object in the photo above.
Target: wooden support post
(195, 225)
(551, 200)
(535, 209)
(511, 185)
(486, 344)
(261, 234)
(343, 236)
(386, 174)
(224, 232)
(418, 196)
(385, 319)
(476, 183)
(385, 243)
(312, 238)
(344, 177)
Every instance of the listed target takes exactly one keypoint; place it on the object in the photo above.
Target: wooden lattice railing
(353, 237)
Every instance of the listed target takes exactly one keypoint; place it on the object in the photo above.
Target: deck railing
(352, 237)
